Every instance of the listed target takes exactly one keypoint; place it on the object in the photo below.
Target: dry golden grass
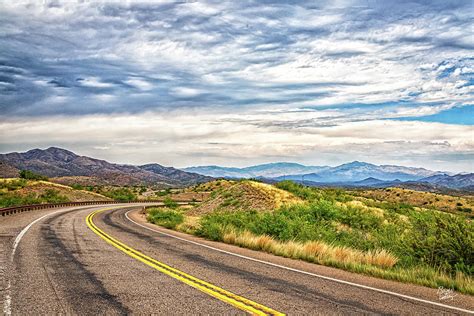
(189, 225)
(211, 185)
(442, 202)
(8, 179)
(245, 195)
(315, 251)
(279, 196)
(38, 187)
(361, 206)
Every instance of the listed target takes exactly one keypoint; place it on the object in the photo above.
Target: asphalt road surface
(106, 260)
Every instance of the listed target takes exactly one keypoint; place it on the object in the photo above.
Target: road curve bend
(94, 259)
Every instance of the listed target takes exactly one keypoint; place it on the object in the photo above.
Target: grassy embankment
(336, 228)
(17, 192)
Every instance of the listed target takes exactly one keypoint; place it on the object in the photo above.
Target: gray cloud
(293, 69)
(207, 47)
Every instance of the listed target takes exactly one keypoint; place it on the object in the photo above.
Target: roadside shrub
(53, 196)
(8, 199)
(165, 217)
(121, 195)
(170, 203)
(443, 240)
(391, 240)
(13, 199)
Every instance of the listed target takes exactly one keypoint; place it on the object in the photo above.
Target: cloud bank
(185, 83)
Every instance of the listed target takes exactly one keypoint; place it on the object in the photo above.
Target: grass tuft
(315, 251)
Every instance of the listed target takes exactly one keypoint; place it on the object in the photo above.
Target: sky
(240, 83)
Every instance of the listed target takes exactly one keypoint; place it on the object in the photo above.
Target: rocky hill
(57, 162)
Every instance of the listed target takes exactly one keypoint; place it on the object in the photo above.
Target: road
(55, 262)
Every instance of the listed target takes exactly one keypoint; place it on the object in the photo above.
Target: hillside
(442, 202)
(56, 162)
(243, 195)
(15, 192)
(8, 171)
(458, 181)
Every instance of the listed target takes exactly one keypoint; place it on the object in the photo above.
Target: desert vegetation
(335, 227)
(21, 191)
(461, 205)
(120, 194)
(30, 175)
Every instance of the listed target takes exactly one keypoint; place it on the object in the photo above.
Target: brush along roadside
(330, 227)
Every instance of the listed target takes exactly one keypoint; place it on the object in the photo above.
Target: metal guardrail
(25, 208)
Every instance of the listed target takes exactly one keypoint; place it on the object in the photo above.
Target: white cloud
(95, 82)
(186, 92)
(188, 138)
(261, 72)
(140, 84)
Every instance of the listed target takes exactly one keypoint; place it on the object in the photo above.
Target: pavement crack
(48, 277)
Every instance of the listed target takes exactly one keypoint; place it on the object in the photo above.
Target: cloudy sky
(239, 83)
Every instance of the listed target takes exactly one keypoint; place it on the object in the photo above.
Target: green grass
(77, 186)
(435, 239)
(8, 199)
(121, 194)
(169, 218)
(170, 203)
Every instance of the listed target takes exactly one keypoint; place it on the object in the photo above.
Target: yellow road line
(215, 291)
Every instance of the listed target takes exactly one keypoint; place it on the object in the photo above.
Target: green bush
(298, 189)
(77, 186)
(165, 217)
(13, 199)
(430, 238)
(8, 199)
(443, 240)
(121, 195)
(170, 203)
(311, 193)
(163, 192)
(53, 196)
(30, 175)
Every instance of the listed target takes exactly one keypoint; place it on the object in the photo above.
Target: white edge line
(24, 230)
(304, 272)
(8, 299)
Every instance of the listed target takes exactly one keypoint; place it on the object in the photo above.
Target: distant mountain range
(66, 166)
(358, 171)
(269, 170)
(354, 174)
(354, 171)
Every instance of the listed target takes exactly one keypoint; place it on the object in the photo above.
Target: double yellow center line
(215, 291)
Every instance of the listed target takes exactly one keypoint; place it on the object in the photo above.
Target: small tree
(30, 175)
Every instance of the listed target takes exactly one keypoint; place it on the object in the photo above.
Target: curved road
(62, 265)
